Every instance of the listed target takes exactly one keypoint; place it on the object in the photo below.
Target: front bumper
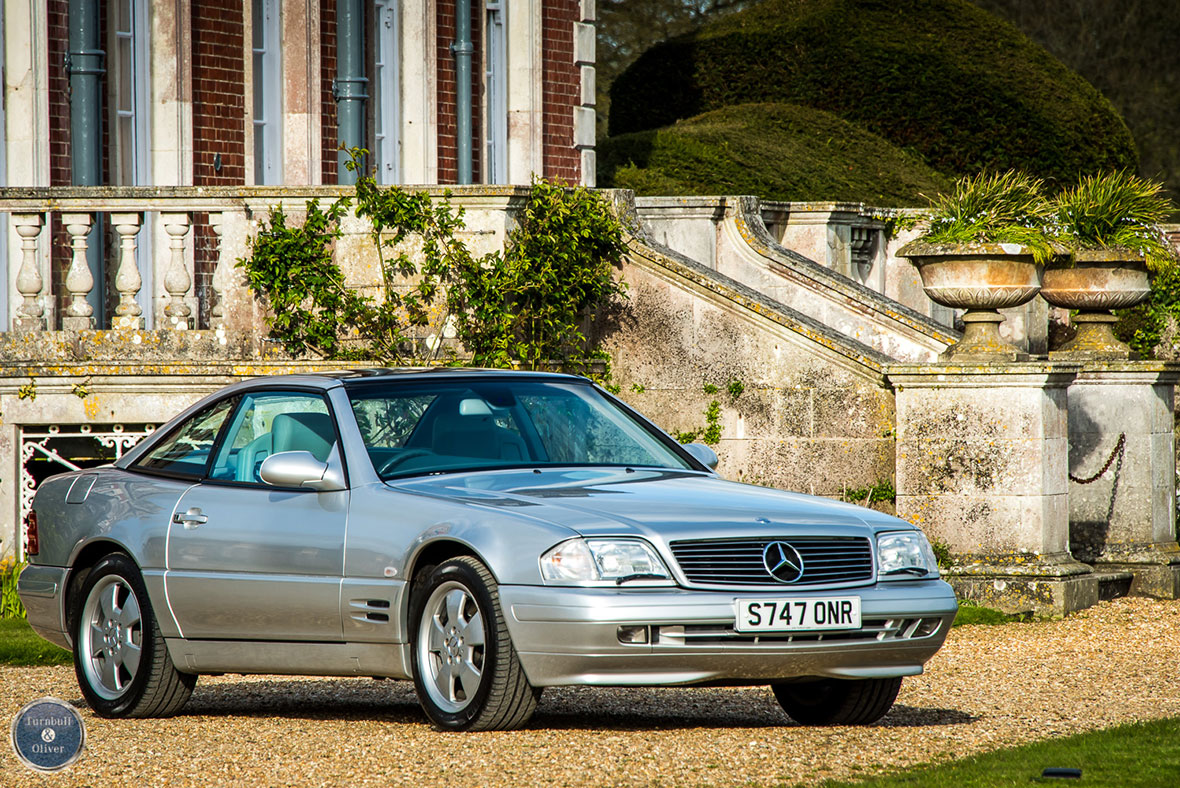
(41, 590)
(567, 636)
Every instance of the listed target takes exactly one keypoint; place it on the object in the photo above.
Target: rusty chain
(1117, 452)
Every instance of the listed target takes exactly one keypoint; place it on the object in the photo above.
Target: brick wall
(59, 141)
(562, 89)
(448, 148)
(219, 102)
(219, 123)
(328, 127)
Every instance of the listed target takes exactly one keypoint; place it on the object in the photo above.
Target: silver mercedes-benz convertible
(483, 533)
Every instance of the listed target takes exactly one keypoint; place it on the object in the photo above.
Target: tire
(837, 701)
(120, 658)
(466, 672)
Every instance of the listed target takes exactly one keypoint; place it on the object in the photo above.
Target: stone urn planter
(981, 278)
(1099, 280)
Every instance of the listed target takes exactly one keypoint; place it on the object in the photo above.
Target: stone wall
(813, 414)
(729, 235)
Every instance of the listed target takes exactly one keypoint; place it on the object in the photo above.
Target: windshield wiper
(913, 570)
(639, 576)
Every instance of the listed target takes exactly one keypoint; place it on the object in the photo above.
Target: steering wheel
(398, 459)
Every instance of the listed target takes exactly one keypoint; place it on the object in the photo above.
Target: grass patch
(775, 151)
(1129, 756)
(20, 646)
(970, 613)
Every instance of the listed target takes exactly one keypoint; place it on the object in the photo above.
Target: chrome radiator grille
(731, 562)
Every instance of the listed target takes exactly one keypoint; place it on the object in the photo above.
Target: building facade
(229, 93)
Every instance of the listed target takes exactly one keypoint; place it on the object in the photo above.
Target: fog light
(633, 634)
(927, 627)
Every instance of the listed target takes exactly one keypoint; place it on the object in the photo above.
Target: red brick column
(219, 123)
(562, 89)
(328, 127)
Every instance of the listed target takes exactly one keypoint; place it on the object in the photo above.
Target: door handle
(190, 519)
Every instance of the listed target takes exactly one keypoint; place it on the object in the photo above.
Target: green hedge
(962, 88)
(776, 151)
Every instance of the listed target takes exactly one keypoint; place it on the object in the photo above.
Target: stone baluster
(31, 315)
(177, 279)
(128, 314)
(79, 314)
(220, 273)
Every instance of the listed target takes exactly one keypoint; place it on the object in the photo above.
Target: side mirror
(301, 469)
(703, 454)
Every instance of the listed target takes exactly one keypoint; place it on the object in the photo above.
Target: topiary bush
(776, 151)
(960, 87)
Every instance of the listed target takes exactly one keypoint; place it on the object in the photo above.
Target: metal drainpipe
(349, 86)
(463, 50)
(85, 64)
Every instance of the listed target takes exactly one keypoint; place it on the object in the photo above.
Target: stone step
(1112, 585)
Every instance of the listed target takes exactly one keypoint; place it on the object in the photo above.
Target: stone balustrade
(225, 218)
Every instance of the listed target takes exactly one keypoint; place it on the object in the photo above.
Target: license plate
(793, 615)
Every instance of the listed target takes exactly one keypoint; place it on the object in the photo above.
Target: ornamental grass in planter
(1111, 227)
(984, 248)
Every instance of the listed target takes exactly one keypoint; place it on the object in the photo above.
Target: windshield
(436, 426)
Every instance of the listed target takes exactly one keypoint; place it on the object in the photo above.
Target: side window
(271, 422)
(187, 449)
(387, 422)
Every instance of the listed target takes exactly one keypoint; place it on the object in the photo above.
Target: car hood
(660, 505)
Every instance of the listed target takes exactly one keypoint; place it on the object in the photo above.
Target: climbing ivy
(1144, 326)
(528, 305)
(711, 432)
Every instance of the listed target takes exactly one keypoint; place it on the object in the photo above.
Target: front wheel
(466, 672)
(837, 701)
(120, 658)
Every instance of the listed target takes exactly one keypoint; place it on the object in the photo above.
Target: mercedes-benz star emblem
(783, 562)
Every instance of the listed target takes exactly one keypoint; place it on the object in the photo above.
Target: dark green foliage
(962, 88)
(1128, 51)
(529, 306)
(775, 151)
(1117, 210)
(942, 553)
(1005, 207)
(881, 492)
(626, 28)
(310, 308)
(10, 604)
(1143, 326)
(711, 432)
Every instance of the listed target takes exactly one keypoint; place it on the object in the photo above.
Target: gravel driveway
(990, 687)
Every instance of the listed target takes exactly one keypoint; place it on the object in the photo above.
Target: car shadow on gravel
(349, 699)
(561, 708)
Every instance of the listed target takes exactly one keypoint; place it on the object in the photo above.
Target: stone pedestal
(982, 467)
(1125, 519)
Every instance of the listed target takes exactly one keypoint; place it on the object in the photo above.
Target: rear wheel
(120, 658)
(466, 672)
(837, 701)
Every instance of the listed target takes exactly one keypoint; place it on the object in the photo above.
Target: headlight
(905, 553)
(602, 561)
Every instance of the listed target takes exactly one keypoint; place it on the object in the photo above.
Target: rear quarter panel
(129, 510)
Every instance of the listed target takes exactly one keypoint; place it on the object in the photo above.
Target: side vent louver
(374, 610)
